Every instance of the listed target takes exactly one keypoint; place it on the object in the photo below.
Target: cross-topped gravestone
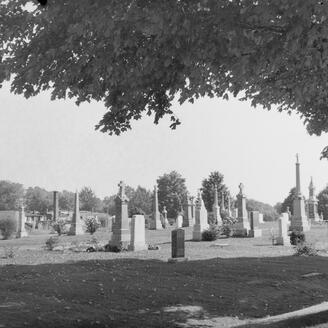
(241, 227)
(121, 230)
(201, 222)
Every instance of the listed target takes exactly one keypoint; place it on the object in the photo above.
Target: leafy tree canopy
(89, 200)
(323, 202)
(287, 204)
(268, 211)
(38, 199)
(208, 185)
(136, 56)
(11, 194)
(172, 193)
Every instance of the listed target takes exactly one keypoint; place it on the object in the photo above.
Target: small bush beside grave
(7, 227)
(51, 243)
(59, 226)
(91, 224)
(304, 249)
(212, 233)
(297, 237)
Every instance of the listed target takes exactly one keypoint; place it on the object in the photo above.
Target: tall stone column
(121, 229)
(229, 207)
(200, 219)
(21, 232)
(241, 227)
(222, 202)
(192, 201)
(155, 223)
(299, 221)
(76, 225)
(187, 218)
(312, 204)
(216, 208)
(56, 206)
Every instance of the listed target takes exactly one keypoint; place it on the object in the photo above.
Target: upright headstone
(155, 223)
(121, 232)
(299, 221)
(76, 225)
(255, 231)
(216, 208)
(56, 206)
(187, 217)
(289, 213)
(179, 221)
(178, 246)
(201, 223)
(283, 238)
(241, 227)
(138, 236)
(312, 204)
(21, 232)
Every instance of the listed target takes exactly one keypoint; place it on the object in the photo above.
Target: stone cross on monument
(242, 226)
(312, 204)
(241, 188)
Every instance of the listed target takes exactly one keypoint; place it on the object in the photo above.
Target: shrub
(211, 233)
(225, 230)
(297, 237)
(7, 227)
(115, 248)
(304, 249)
(59, 226)
(91, 224)
(51, 243)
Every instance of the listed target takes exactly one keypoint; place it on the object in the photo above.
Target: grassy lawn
(227, 278)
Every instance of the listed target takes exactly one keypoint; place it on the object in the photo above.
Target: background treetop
(136, 56)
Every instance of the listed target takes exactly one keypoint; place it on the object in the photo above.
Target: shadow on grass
(142, 293)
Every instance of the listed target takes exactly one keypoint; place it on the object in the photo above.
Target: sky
(53, 144)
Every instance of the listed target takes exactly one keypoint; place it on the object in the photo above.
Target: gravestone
(229, 207)
(76, 225)
(261, 218)
(254, 232)
(155, 222)
(216, 208)
(299, 221)
(187, 218)
(241, 227)
(121, 232)
(179, 221)
(283, 238)
(21, 232)
(56, 206)
(201, 223)
(178, 243)
(312, 204)
(138, 237)
(178, 246)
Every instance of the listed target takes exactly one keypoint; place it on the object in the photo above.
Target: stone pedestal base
(177, 259)
(299, 224)
(21, 234)
(137, 247)
(121, 238)
(239, 232)
(187, 223)
(283, 240)
(255, 233)
(155, 225)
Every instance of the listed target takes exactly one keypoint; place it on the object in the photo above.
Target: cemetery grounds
(225, 283)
